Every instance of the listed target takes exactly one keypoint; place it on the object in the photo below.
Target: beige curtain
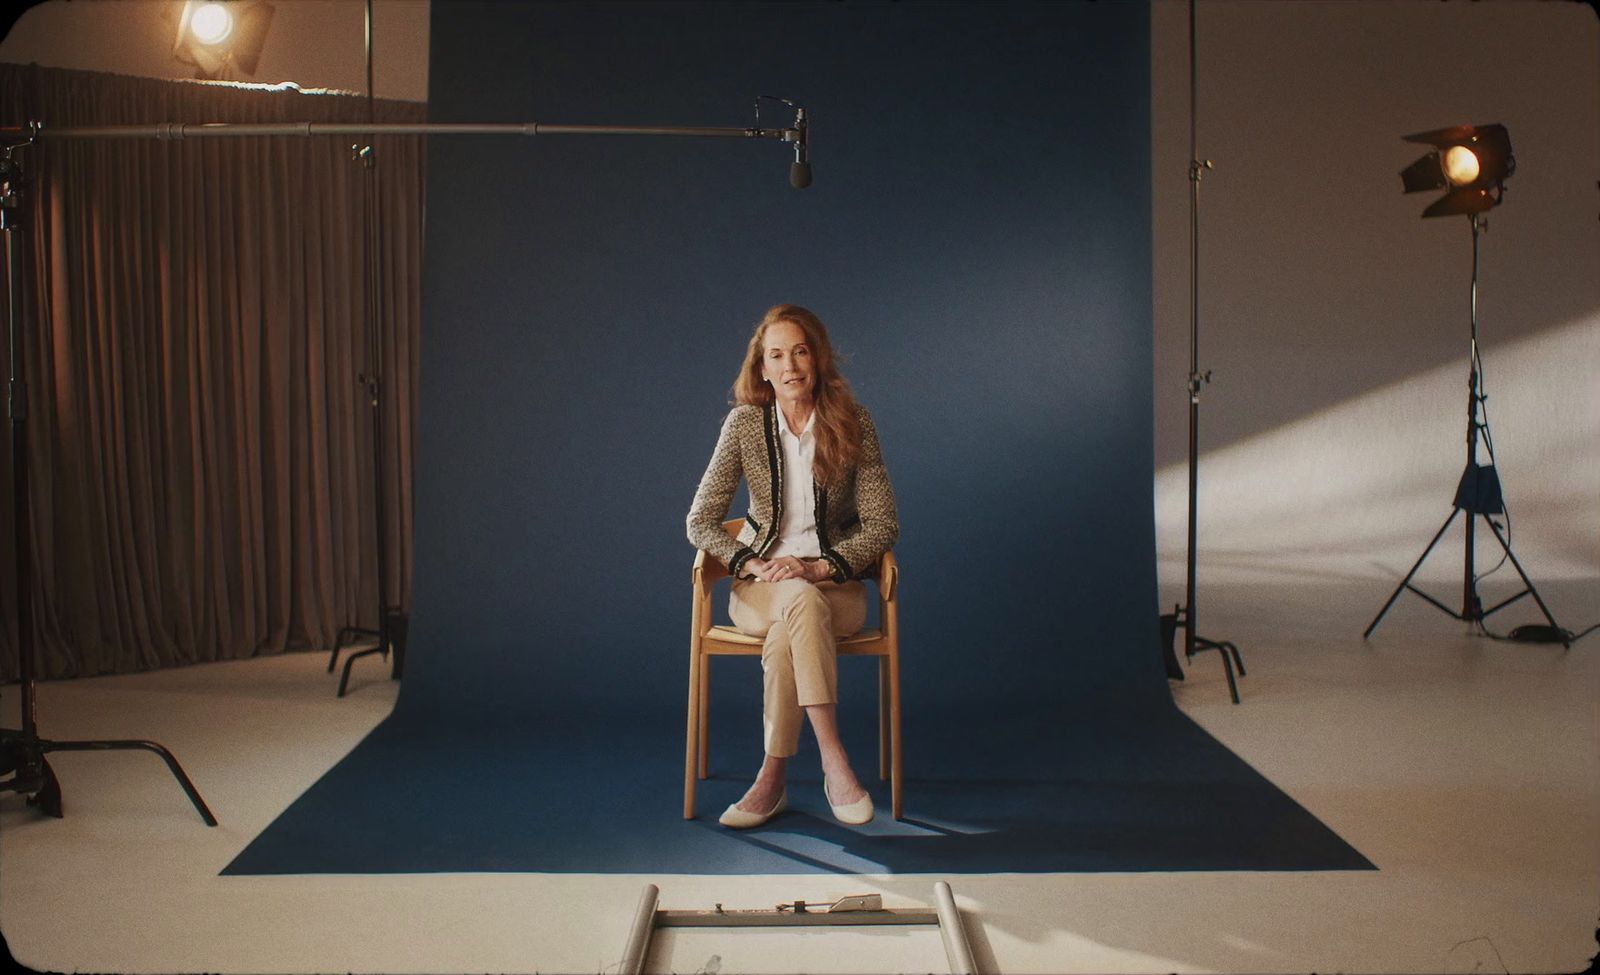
(200, 452)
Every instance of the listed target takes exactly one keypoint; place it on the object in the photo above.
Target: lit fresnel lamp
(211, 24)
(222, 37)
(1470, 162)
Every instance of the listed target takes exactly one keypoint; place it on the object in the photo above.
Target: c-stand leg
(22, 751)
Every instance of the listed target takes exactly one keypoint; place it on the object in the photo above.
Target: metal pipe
(191, 130)
(17, 416)
(1191, 557)
(793, 919)
(644, 920)
(372, 112)
(1470, 604)
(956, 949)
(371, 249)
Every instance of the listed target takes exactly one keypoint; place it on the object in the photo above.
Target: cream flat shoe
(735, 818)
(857, 813)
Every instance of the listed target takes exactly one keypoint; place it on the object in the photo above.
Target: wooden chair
(707, 640)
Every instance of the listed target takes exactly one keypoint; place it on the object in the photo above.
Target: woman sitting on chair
(821, 512)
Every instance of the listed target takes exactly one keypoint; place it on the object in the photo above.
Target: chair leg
(705, 715)
(883, 717)
(691, 746)
(897, 768)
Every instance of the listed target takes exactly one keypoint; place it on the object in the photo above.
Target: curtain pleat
(200, 456)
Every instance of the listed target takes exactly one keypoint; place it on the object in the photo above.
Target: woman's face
(786, 363)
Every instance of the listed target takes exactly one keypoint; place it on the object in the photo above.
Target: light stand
(1478, 494)
(391, 629)
(1185, 614)
(391, 621)
(22, 752)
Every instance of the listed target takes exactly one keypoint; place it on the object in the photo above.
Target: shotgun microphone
(800, 169)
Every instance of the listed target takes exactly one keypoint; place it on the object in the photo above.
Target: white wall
(1336, 320)
(313, 43)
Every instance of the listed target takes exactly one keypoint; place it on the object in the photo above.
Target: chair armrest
(707, 567)
(707, 570)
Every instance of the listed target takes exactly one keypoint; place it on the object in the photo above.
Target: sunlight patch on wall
(1357, 491)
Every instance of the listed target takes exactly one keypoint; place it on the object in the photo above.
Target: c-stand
(391, 631)
(22, 751)
(391, 623)
(1184, 615)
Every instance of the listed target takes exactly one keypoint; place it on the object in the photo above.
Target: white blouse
(797, 528)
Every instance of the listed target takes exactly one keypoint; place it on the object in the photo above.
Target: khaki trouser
(799, 661)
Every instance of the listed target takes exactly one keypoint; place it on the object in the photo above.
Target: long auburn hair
(837, 430)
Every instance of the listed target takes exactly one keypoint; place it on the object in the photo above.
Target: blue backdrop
(978, 240)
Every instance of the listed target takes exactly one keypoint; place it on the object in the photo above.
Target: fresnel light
(1470, 162)
(222, 38)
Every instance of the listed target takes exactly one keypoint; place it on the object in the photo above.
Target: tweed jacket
(856, 518)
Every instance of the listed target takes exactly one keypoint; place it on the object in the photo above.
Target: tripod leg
(149, 746)
(344, 679)
(338, 644)
(1407, 580)
(1227, 666)
(1527, 582)
(183, 780)
(1238, 661)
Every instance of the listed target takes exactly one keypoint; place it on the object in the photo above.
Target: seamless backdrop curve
(978, 240)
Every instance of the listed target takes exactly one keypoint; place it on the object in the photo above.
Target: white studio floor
(1464, 768)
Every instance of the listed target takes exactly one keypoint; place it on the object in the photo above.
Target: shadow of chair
(708, 639)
